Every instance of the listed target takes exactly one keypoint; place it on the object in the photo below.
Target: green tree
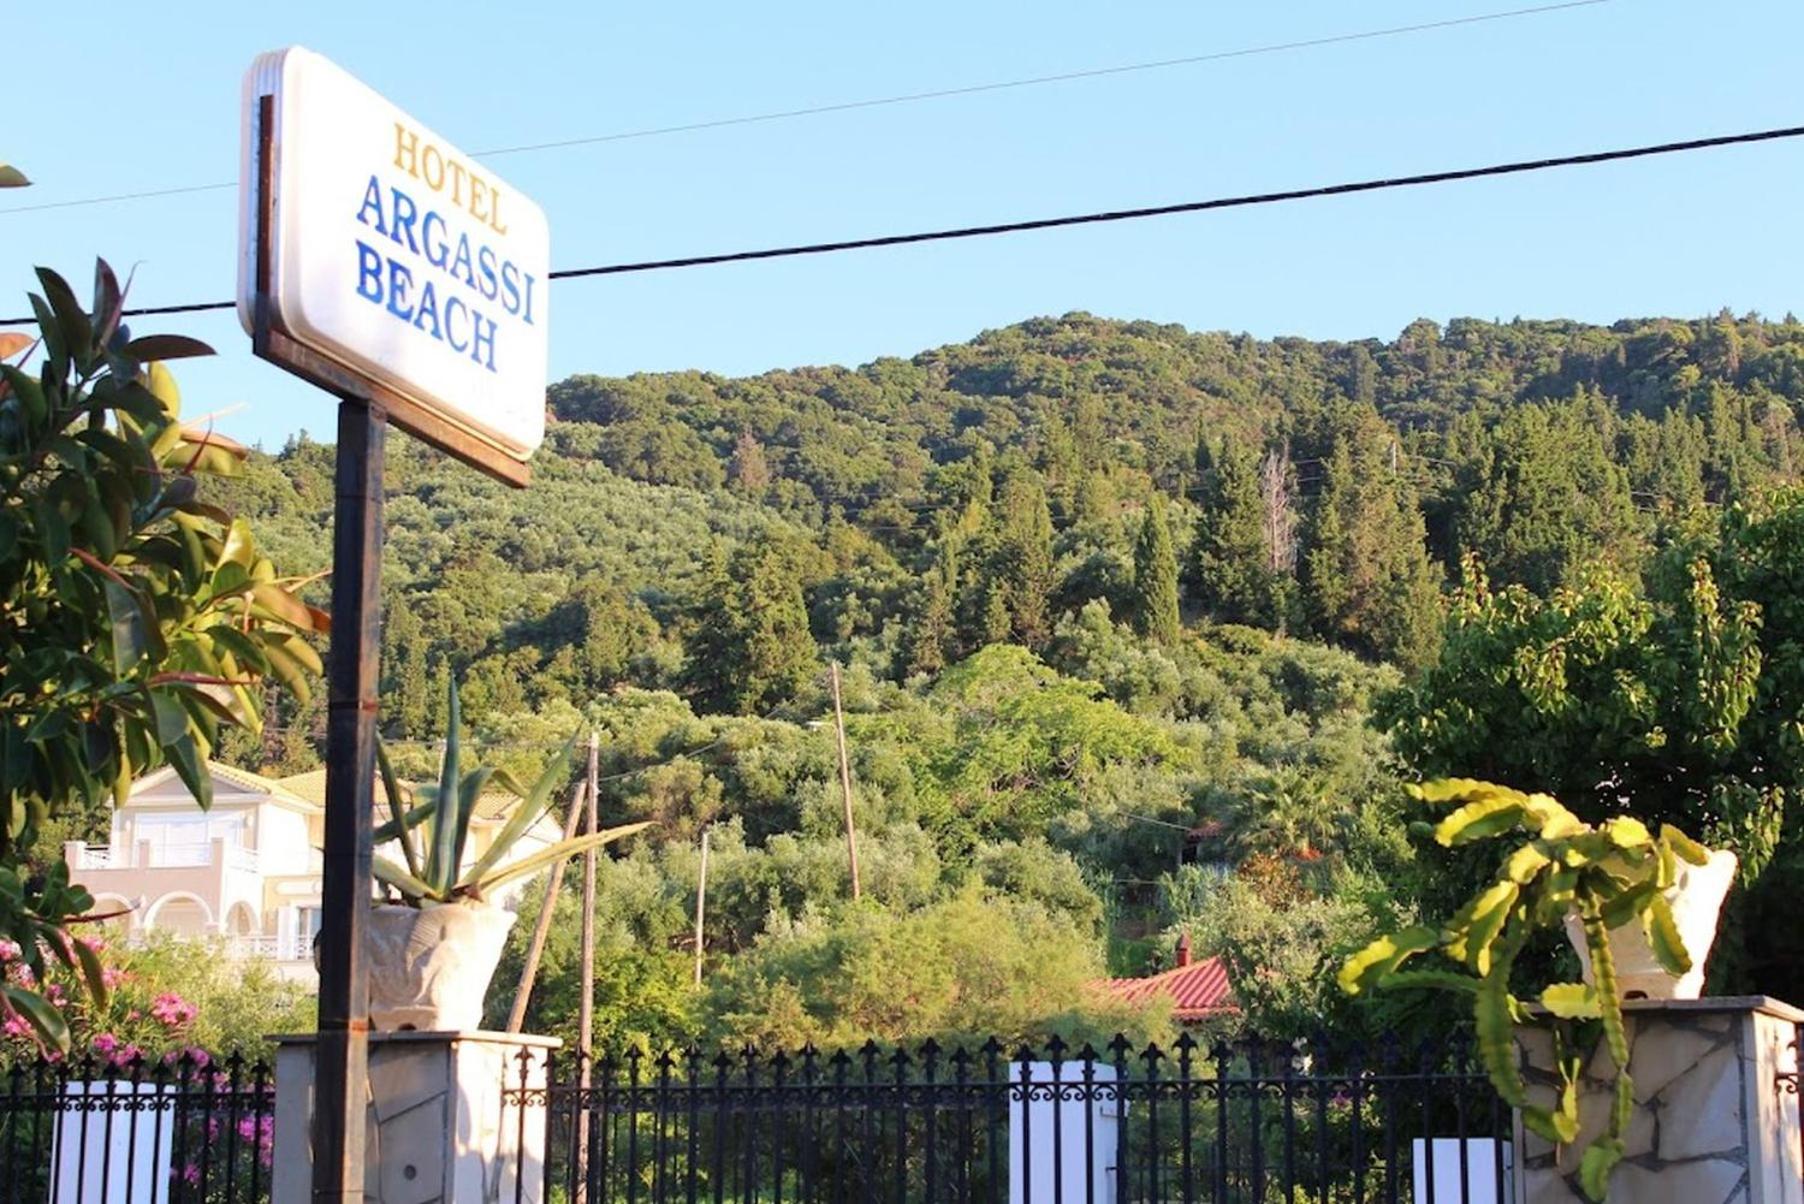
(1676, 696)
(1369, 581)
(1156, 577)
(1022, 574)
(613, 628)
(713, 636)
(136, 620)
(1549, 497)
(409, 689)
(750, 647)
(969, 967)
(1230, 573)
(774, 654)
(935, 624)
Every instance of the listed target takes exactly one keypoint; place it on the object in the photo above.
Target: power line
(1059, 78)
(1248, 200)
(902, 98)
(1231, 202)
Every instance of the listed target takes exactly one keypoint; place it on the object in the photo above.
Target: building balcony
(286, 948)
(145, 855)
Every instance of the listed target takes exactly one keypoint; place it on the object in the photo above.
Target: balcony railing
(269, 948)
(93, 857)
(146, 855)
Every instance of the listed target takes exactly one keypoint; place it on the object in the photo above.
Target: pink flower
(94, 943)
(172, 1010)
(128, 1055)
(197, 1057)
(54, 993)
(111, 977)
(105, 1043)
(9, 951)
(25, 975)
(15, 1026)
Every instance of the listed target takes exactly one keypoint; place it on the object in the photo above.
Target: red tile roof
(1197, 991)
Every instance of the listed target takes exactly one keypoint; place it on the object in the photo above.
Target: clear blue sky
(148, 98)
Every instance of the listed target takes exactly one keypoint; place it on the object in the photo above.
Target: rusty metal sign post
(365, 410)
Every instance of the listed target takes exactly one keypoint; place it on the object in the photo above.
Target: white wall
(282, 843)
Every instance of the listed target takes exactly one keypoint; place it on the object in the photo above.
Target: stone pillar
(446, 1121)
(1716, 1107)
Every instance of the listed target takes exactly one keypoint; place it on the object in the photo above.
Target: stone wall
(1716, 1107)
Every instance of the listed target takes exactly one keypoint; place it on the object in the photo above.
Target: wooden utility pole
(845, 781)
(701, 906)
(536, 949)
(585, 1056)
(586, 1014)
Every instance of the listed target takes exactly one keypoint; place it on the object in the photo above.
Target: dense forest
(1142, 629)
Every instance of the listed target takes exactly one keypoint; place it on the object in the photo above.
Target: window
(188, 839)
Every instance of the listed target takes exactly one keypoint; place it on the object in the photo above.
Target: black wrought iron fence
(1252, 1123)
(96, 1130)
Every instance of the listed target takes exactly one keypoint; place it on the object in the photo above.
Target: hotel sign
(393, 253)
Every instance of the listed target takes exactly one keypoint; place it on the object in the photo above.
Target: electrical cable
(904, 98)
(1246, 200)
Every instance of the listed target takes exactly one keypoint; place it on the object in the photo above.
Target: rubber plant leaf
(45, 1020)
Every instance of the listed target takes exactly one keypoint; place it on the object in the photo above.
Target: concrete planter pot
(1697, 900)
(430, 966)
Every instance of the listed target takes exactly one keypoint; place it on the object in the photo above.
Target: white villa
(247, 871)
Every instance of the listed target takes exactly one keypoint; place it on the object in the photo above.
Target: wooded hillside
(1084, 574)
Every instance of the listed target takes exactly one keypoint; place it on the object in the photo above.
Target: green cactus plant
(1609, 875)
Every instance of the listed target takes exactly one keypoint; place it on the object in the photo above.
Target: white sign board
(117, 1152)
(1064, 1148)
(1465, 1172)
(396, 254)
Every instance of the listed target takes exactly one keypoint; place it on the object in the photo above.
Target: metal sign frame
(365, 410)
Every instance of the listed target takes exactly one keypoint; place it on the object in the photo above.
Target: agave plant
(1609, 875)
(432, 825)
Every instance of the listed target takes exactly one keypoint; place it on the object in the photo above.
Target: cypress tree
(1230, 572)
(1549, 497)
(995, 625)
(1370, 581)
(1022, 576)
(774, 653)
(1156, 577)
(410, 689)
(934, 626)
(713, 635)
